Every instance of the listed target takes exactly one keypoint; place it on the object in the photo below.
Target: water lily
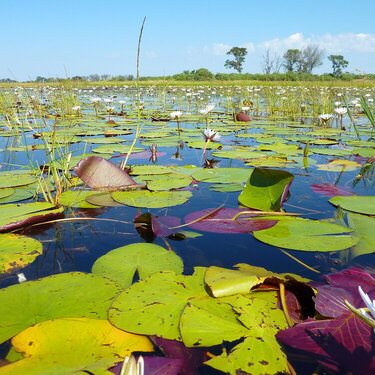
(368, 317)
(325, 117)
(76, 109)
(369, 304)
(21, 277)
(207, 109)
(211, 135)
(176, 114)
(341, 111)
(131, 366)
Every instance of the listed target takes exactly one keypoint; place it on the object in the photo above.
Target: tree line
(293, 60)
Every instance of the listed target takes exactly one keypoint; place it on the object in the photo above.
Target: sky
(66, 38)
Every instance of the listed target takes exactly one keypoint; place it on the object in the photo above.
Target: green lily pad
(238, 154)
(149, 199)
(77, 198)
(102, 199)
(226, 188)
(266, 189)
(307, 235)
(59, 296)
(356, 203)
(155, 304)
(138, 170)
(166, 181)
(331, 151)
(54, 347)
(204, 145)
(110, 149)
(363, 227)
(17, 215)
(17, 251)
(222, 175)
(12, 180)
(123, 263)
(6, 192)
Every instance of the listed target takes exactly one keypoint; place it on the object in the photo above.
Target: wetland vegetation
(207, 228)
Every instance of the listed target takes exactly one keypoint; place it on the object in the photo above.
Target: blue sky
(82, 37)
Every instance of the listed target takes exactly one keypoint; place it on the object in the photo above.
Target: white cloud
(344, 42)
(220, 49)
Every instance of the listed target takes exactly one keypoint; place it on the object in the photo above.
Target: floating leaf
(258, 354)
(363, 227)
(14, 216)
(99, 173)
(360, 204)
(238, 154)
(65, 295)
(102, 199)
(54, 347)
(148, 199)
(266, 189)
(222, 175)
(307, 235)
(123, 263)
(154, 305)
(222, 221)
(329, 190)
(17, 251)
(6, 192)
(77, 198)
(151, 169)
(166, 181)
(11, 180)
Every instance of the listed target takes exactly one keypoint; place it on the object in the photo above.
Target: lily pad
(99, 173)
(307, 235)
(266, 189)
(6, 192)
(11, 180)
(14, 216)
(222, 221)
(17, 251)
(356, 203)
(222, 175)
(363, 227)
(77, 198)
(148, 199)
(54, 347)
(123, 263)
(166, 181)
(59, 296)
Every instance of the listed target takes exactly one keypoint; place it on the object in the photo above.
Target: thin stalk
(284, 305)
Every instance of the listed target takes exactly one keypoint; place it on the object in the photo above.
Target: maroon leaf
(350, 279)
(192, 358)
(149, 225)
(345, 343)
(329, 190)
(99, 173)
(221, 221)
(330, 301)
(145, 154)
(243, 117)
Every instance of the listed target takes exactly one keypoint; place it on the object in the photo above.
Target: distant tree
(292, 60)
(239, 57)
(105, 77)
(201, 74)
(271, 64)
(94, 77)
(338, 64)
(40, 79)
(311, 57)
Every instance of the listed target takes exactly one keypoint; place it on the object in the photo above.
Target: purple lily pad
(338, 344)
(157, 225)
(221, 221)
(329, 190)
(99, 173)
(192, 358)
(243, 117)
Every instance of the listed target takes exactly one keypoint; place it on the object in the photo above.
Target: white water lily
(21, 277)
(325, 116)
(207, 109)
(369, 304)
(109, 109)
(76, 108)
(95, 100)
(211, 135)
(341, 111)
(131, 366)
(176, 114)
